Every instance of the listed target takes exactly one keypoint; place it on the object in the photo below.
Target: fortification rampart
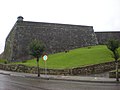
(103, 37)
(56, 37)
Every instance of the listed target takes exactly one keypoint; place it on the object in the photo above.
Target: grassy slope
(76, 58)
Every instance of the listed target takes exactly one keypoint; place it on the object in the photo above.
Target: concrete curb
(57, 78)
(89, 81)
(5, 73)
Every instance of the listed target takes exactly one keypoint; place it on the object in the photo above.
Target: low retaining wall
(113, 74)
(95, 69)
(34, 70)
(87, 70)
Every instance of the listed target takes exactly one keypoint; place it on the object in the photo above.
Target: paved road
(22, 83)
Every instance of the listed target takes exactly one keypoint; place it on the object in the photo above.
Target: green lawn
(75, 58)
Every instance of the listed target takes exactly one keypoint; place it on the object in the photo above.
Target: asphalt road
(23, 83)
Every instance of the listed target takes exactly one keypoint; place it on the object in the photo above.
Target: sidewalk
(60, 77)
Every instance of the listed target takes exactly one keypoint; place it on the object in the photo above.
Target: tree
(36, 49)
(113, 45)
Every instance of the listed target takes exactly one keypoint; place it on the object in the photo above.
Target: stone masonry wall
(56, 37)
(103, 37)
(8, 51)
(87, 70)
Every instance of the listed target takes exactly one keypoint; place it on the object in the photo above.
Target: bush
(5, 62)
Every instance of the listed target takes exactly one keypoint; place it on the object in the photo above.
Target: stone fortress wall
(103, 37)
(56, 37)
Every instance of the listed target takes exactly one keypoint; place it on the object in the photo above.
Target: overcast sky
(103, 15)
